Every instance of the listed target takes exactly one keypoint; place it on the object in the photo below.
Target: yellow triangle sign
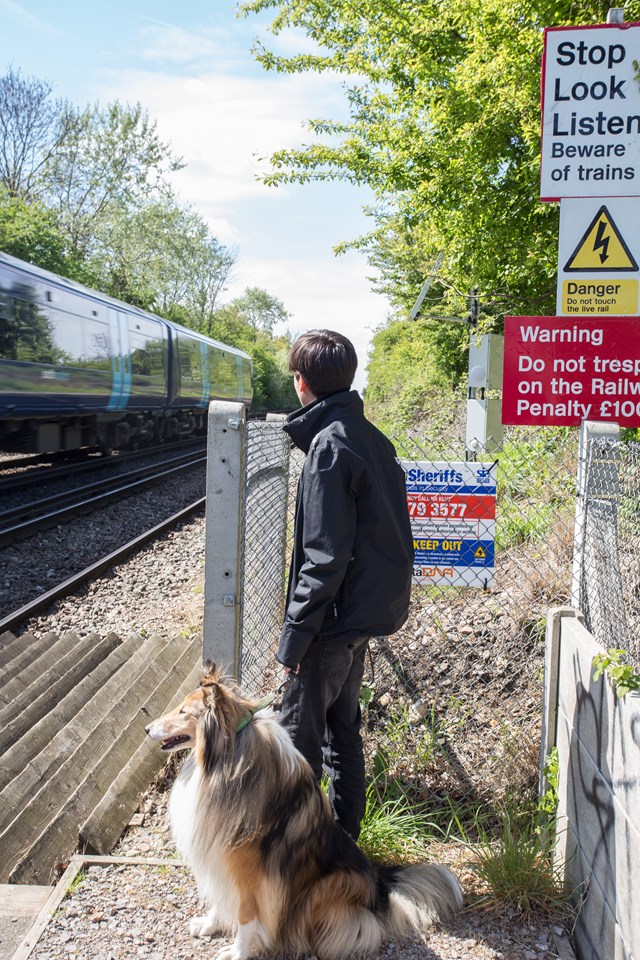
(479, 554)
(602, 247)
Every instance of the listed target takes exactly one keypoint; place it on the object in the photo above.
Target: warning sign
(599, 257)
(452, 507)
(602, 248)
(559, 371)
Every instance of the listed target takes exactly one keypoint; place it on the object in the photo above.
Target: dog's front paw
(231, 953)
(205, 926)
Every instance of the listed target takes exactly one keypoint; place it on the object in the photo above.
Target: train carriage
(78, 368)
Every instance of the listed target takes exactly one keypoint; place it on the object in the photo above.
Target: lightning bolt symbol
(602, 241)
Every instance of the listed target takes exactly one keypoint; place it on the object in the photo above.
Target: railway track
(78, 466)
(71, 584)
(56, 539)
(25, 461)
(28, 519)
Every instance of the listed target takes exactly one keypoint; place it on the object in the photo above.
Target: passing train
(78, 368)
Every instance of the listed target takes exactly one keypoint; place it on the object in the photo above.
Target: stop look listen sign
(591, 112)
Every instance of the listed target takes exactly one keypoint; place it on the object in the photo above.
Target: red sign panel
(559, 371)
(451, 506)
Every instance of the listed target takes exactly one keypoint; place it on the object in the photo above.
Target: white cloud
(225, 121)
(168, 43)
(23, 17)
(226, 126)
(333, 293)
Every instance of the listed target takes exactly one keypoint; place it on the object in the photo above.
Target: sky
(190, 65)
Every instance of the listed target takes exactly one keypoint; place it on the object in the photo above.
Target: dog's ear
(212, 675)
(211, 693)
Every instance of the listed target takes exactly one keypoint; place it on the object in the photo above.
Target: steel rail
(45, 521)
(89, 490)
(70, 585)
(27, 460)
(33, 478)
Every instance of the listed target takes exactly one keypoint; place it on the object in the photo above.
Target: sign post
(584, 364)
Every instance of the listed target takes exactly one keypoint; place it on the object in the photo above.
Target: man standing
(350, 576)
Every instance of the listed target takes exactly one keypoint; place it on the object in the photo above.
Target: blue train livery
(79, 368)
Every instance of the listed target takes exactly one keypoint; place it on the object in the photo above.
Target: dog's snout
(147, 728)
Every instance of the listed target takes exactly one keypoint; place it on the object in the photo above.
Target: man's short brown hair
(325, 359)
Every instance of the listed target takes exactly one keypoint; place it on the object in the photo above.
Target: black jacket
(353, 550)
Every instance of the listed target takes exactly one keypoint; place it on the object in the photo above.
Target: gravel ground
(31, 567)
(159, 590)
(126, 911)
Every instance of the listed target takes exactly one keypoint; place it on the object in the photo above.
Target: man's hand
(295, 669)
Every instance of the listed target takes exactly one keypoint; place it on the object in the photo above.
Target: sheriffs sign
(591, 112)
(452, 507)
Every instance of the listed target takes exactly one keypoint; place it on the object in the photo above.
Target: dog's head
(208, 719)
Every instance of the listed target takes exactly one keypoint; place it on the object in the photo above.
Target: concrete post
(550, 693)
(225, 478)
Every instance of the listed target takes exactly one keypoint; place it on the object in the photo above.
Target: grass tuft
(392, 831)
(518, 870)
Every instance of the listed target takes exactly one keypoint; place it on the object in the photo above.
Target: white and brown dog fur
(248, 816)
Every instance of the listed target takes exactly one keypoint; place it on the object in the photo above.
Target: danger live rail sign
(599, 256)
(590, 112)
(559, 371)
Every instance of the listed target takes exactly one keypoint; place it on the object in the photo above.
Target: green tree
(260, 309)
(110, 161)
(30, 232)
(444, 126)
(162, 257)
(31, 128)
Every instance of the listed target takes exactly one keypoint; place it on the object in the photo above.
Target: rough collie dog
(248, 816)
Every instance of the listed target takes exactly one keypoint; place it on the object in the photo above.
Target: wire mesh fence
(463, 679)
(610, 572)
(453, 700)
(265, 536)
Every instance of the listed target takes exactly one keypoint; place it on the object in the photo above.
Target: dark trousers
(321, 712)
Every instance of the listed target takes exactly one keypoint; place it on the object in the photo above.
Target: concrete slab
(19, 907)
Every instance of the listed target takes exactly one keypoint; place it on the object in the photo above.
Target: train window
(147, 352)
(97, 345)
(190, 367)
(5, 306)
(80, 341)
(224, 374)
(27, 334)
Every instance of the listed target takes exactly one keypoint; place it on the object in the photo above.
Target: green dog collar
(265, 702)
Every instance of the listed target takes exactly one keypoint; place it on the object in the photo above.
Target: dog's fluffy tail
(419, 896)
